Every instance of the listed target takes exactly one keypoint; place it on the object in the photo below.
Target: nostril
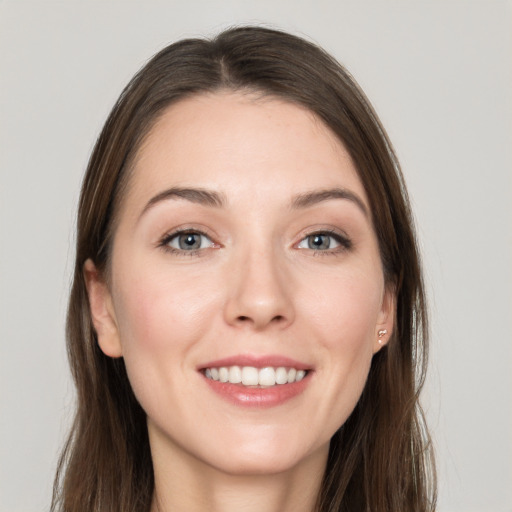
(275, 319)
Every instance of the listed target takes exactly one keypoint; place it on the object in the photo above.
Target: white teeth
(281, 376)
(251, 376)
(267, 377)
(223, 374)
(235, 375)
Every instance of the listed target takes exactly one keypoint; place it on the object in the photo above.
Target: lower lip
(256, 396)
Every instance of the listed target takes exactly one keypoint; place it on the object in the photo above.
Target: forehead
(241, 143)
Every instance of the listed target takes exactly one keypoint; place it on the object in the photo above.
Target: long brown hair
(380, 460)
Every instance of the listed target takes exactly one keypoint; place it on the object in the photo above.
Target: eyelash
(164, 243)
(345, 244)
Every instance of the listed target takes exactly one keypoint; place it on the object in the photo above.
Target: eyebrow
(317, 196)
(194, 195)
(214, 199)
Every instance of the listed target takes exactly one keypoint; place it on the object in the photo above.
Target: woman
(247, 324)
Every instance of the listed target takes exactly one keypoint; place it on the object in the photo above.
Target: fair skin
(244, 240)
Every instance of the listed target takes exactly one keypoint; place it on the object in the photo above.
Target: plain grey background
(439, 74)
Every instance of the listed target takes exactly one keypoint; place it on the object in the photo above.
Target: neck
(185, 484)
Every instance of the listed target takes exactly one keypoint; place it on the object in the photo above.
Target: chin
(265, 458)
(259, 465)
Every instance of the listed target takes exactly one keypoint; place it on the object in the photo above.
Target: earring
(381, 333)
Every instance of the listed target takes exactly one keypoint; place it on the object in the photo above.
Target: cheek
(160, 317)
(347, 308)
(345, 316)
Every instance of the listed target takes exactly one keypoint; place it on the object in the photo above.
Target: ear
(102, 311)
(386, 318)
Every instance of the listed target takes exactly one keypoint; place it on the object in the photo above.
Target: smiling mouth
(251, 376)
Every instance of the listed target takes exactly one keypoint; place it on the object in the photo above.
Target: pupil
(319, 242)
(189, 241)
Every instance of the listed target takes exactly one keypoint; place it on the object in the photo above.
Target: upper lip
(256, 361)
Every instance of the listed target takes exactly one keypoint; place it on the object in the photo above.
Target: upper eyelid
(164, 242)
(173, 239)
(331, 231)
(343, 237)
(174, 232)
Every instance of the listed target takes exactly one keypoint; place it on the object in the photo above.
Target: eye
(324, 241)
(187, 241)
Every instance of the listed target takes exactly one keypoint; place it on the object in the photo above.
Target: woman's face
(245, 250)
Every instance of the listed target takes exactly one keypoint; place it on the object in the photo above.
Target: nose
(259, 293)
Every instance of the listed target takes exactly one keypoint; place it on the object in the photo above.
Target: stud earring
(381, 333)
